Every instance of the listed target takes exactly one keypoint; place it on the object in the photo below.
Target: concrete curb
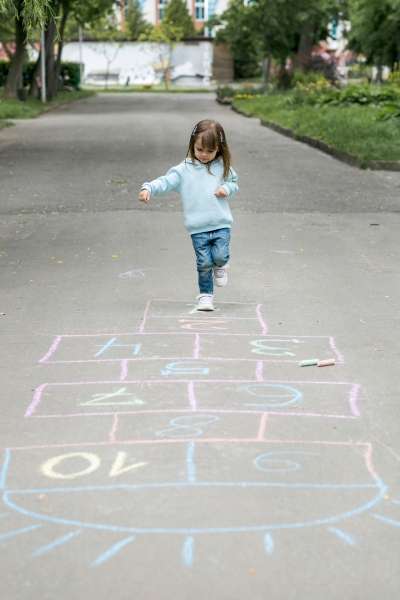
(376, 165)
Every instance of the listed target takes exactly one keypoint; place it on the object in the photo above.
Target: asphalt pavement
(153, 452)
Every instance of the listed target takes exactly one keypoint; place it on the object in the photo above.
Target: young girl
(205, 180)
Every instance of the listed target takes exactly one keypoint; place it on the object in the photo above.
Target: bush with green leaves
(322, 93)
(248, 91)
(70, 73)
(394, 78)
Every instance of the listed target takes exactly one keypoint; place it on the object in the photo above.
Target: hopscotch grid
(192, 404)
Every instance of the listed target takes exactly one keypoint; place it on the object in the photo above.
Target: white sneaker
(221, 275)
(205, 302)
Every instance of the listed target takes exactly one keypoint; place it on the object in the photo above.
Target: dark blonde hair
(213, 137)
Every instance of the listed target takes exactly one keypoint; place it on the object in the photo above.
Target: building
(153, 10)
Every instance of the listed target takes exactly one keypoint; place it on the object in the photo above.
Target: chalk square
(187, 425)
(279, 348)
(285, 462)
(185, 369)
(87, 399)
(87, 464)
(297, 397)
(314, 428)
(159, 308)
(117, 347)
(201, 323)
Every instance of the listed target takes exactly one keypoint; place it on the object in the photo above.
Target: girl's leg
(220, 246)
(202, 247)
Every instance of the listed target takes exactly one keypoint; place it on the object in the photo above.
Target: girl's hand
(144, 196)
(220, 192)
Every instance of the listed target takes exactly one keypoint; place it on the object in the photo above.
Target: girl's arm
(230, 184)
(164, 184)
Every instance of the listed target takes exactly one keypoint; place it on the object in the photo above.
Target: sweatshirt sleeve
(164, 184)
(231, 183)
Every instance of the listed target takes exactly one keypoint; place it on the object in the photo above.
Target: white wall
(140, 62)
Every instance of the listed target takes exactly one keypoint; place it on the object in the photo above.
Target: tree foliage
(237, 27)
(136, 25)
(278, 29)
(375, 30)
(177, 15)
(33, 13)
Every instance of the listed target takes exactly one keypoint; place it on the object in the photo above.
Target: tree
(278, 30)
(237, 31)
(177, 15)
(7, 32)
(164, 36)
(172, 29)
(375, 31)
(27, 15)
(135, 23)
(84, 13)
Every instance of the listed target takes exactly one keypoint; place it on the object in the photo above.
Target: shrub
(394, 78)
(70, 73)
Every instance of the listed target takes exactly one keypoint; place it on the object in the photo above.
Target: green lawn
(352, 129)
(14, 109)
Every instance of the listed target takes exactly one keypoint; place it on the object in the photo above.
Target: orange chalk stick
(326, 363)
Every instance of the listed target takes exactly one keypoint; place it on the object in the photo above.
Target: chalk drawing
(188, 428)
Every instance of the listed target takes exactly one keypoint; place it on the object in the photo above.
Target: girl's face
(203, 154)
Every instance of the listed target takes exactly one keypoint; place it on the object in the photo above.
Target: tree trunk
(51, 80)
(14, 77)
(284, 76)
(65, 13)
(303, 56)
(266, 69)
(34, 87)
(51, 88)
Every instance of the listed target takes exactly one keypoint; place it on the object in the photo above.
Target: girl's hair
(213, 137)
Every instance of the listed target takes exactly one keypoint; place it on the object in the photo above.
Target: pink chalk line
(332, 344)
(263, 324)
(52, 349)
(124, 370)
(270, 336)
(36, 400)
(263, 426)
(114, 428)
(368, 460)
(196, 317)
(144, 318)
(172, 358)
(191, 303)
(354, 400)
(192, 396)
(259, 371)
(199, 410)
(196, 350)
(204, 441)
(183, 381)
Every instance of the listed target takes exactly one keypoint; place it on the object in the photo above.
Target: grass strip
(354, 130)
(15, 109)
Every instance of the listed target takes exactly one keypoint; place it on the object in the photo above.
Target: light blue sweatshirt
(202, 210)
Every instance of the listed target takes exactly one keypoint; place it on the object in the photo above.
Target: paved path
(152, 452)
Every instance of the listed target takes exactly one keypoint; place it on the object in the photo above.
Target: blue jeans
(212, 250)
